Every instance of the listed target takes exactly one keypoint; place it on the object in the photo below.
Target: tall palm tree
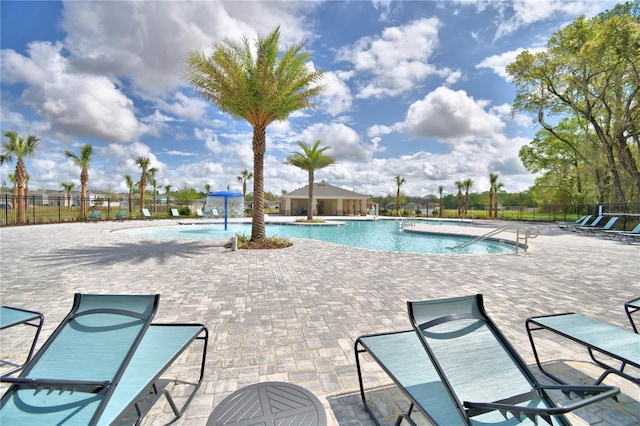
(497, 187)
(245, 175)
(68, 187)
(151, 175)
(399, 182)
(167, 191)
(493, 180)
(16, 145)
(468, 183)
(83, 160)
(143, 163)
(440, 191)
(459, 185)
(259, 87)
(311, 158)
(130, 185)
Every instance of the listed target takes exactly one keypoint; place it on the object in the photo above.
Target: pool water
(374, 235)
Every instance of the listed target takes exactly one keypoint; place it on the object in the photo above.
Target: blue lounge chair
(631, 307)
(99, 363)
(11, 317)
(616, 233)
(458, 369)
(122, 214)
(595, 230)
(95, 215)
(580, 221)
(593, 224)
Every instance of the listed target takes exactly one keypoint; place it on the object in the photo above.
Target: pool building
(329, 200)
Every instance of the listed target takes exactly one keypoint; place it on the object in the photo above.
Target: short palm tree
(440, 210)
(167, 191)
(151, 175)
(82, 160)
(459, 185)
(311, 158)
(143, 163)
(245, 175)
(496, 189)
(399, 182)
(207, 189)
(468, 183)
(259, 85)
(67, 188)
(493, 180)
(130, 185)
(16, 145)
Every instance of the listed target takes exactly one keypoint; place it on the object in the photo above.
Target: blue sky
(416, 89)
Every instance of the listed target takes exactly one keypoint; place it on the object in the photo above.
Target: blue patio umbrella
(226, 195)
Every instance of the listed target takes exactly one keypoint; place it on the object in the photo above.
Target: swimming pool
(374, 235)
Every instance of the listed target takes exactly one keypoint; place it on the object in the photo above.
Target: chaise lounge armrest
(508, 405)
(60, 385)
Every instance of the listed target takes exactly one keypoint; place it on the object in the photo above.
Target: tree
(590, 71)
(245, 175)
(143, 163)
(441, 206)
(68, 187)
(83, 160)
(259, 87)
(15, 145)
(399, 182)
(207, 189)
(151, 173)
(130, 185)
(496, 189)
(493, 179)
(310, 159)
(468, 183)
(459, 185)
(167, 191)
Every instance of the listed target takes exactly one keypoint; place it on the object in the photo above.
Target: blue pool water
(374, 235)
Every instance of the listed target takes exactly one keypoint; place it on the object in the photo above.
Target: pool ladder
(525, 237)
(411, 222)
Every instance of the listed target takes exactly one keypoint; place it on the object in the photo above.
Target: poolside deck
(292, 315)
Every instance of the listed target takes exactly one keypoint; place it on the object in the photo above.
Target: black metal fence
(39, 209)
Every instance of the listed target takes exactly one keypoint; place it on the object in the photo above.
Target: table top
(269, 403)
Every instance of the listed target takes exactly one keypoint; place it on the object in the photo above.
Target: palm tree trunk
(258, 230)
(310, 200)
(490, 201)
(21, 173)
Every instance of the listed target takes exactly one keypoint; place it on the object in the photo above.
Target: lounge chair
(214, 213)
(146, 214)
(579, 222)
(122, 214)
(616, 233)
(593, 224)
(631, 307)
(199, 213)
(606, 343)
(631, 237)
(11, 317)
(175, 213)
(458, 369)
(595, 230)
(100, 362)
(95, 215)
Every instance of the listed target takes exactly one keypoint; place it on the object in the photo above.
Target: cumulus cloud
(498, 63)
(336, 97)
(343, 141)
(396, 60)
(448, 115)
(75, 103)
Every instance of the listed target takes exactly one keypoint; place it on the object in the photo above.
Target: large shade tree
(16, 146)
(82, 160)
(311, 158)
(260, 85)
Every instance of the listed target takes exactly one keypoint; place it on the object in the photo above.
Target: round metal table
(269, 403)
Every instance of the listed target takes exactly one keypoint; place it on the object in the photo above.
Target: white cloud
(336, 97)
(498, 63)
(395, 61)
(343, 141)
(450, 115)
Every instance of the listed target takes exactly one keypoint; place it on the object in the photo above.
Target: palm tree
(459, 185)
(468, 183)
(14, 189)
(493, 180)
(399, 182)
(68, 187)
(151, 174)
(15, 145)
(167, 191)
(244, 177)
(83, 160)
(207, 189)
(259, 87)
(310, 159)
(497, 187)
(440, 191)
(143, 163)
(130, 185)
